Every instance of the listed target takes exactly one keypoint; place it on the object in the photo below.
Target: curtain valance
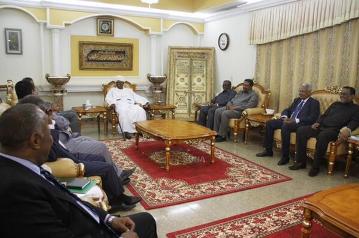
(298, 18)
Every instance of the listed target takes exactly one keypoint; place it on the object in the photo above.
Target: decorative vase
(157, 89)
(58, 89)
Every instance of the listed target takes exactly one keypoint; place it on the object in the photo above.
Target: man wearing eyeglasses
(337, 122)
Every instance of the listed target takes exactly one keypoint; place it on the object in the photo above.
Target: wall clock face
(223, 41)
(105, 26)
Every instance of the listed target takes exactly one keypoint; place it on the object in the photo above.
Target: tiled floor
(186, 215)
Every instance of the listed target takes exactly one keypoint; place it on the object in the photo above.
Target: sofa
(334, 151)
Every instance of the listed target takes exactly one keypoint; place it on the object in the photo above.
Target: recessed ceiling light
(150, 1)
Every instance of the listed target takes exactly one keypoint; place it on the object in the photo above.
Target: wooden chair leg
(331, 159)
(349, 160)
(307, 223)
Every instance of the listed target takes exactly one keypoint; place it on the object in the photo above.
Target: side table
(352, 145)
(161, 109)
(100, 111)
(258, 118)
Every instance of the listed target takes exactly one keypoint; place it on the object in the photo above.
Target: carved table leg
(98, 123)
(349, 159)
(80, 116)
(168, 154)
(307, 223)
(105, 123)
(212, 149)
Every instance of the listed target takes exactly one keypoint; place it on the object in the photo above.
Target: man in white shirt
(303, 111)
(128, 105)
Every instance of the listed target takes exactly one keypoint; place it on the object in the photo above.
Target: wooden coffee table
(174, 132)
(98, 110)
(258, 118)
(336, 208)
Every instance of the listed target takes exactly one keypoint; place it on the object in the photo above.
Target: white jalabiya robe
(128, 112)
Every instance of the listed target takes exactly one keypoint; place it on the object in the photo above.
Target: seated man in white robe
(128, 105)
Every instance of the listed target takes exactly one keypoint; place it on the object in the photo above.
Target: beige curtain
(328, 57)
(300, 17)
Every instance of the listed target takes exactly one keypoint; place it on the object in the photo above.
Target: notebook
(75, 183)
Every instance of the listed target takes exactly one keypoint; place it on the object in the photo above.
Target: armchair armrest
(252, 111)
(355, 132)
(199, 105)
(65, 167)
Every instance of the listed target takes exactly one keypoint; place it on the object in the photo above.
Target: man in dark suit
(303, 111)
(33, 203)
(95, 165)
(336, 123)
(206, 113)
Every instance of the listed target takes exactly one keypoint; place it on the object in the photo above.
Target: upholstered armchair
(112, 115)
(334, 151)
(67, 168)
(238, 124)
(11, 98)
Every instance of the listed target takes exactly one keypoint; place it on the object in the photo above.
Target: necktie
(297, 109)
(78, 201)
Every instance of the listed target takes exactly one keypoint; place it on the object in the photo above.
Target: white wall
(15, 67)
(238, 61)
(178, 35)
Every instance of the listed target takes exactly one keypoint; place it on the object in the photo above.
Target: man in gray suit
(244, 99)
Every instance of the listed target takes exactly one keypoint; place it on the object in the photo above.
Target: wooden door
(190, 79)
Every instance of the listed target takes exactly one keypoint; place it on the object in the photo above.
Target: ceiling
(207, 6)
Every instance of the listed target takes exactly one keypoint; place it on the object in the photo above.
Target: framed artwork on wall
(105, 26)
(13, 41)
(105, 56)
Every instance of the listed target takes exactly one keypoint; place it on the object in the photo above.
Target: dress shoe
(127, 135)
(265, 153)
(220, 139)
(283, 161)
(126, 173)
(129, 200)
(297, 166)
(115, 207)
(313, 172)
(125, 181)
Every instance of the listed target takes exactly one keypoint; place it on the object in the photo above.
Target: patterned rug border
(133, 190)
(209, 224)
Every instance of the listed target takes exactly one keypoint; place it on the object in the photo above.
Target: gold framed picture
(105, 56)
(105, 26)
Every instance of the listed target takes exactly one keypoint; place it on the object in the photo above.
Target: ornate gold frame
(105, 56)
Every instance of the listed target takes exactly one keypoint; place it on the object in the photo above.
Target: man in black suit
(206, 113)
(336, 123)
(33, 203)
(95, 165)
(303, 111)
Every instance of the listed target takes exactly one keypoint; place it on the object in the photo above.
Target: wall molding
(87, 88)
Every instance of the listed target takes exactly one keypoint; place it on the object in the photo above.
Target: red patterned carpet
(191, 176)
(281, 220)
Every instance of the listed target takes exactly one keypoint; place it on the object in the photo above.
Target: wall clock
(223, 41)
